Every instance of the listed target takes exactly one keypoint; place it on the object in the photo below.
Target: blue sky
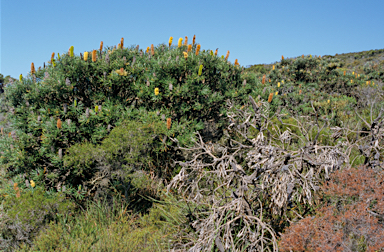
(253, 31)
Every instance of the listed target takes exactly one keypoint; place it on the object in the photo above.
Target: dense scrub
(174, 147)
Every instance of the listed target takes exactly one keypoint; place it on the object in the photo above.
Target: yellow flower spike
(58, 56)
(75, 103)
(353, 73)
(367, 83)
(277, 92)
(152, 50)
(20, 77)
(122, 43)
(328, 101)
(96, 108)
(211, 53)
(32, 183)
(189, 48)
(222, 56)
(101, 46)
(85, 56)
(194, 39)
(71, 51)
(216, 52)
(197, 49)
(200, 70)
(373, 83)
(186, 40)
(273, 67)
(180, 43)
(147, 49)
(94, 56)
(170, 41)
(156, 91)
(278, 84)
(282, 82)
(185, 55)
(351, 81)
(358, 75)
(32, 68)
(226, 56)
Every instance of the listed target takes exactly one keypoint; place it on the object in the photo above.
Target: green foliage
(25, 216)
(111, 228)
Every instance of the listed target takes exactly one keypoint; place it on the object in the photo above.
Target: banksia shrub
(94, 56)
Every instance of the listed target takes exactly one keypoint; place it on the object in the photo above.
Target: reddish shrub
(351, 220)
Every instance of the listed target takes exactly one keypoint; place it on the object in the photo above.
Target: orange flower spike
(300, 92)
(345, 72)
(302, 56)
(59, 123)
(94, 56)
(52, 56)
(189, 48)
(147, 49)
(32, 68)
(263, 81)
(152, 50)
(169, 123)
(197, 49)
(282, 57)
(226, 56)
(186, 40)
(122, 43)
(101, 46)
(216, 51)
(270, 97)
(236, 62)
(194, 39)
